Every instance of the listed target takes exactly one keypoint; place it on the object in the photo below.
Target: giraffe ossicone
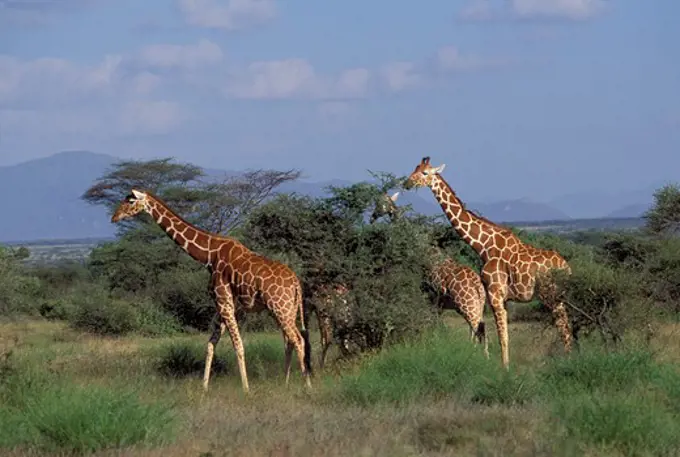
(511, 267)
(240, 280)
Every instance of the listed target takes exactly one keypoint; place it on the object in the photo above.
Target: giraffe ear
(439, 169)
(138, 195)
(394, 196)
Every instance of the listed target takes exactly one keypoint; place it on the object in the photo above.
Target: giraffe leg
(232, 327)
(325, 332)
(296, 341)
(217, 326)
(288, 356)
(481, 335)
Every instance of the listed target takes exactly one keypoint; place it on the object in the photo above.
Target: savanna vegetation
(104, 357)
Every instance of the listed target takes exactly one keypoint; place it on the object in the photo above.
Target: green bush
(602, 299)
(18, 290)
(93, 309)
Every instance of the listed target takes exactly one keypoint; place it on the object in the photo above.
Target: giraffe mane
(474, 213)
(178, 216)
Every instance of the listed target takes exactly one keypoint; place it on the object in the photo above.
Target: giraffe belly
(251, 303)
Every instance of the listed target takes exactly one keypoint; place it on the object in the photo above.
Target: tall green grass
(438, 364)
(264, 358)
(624, 401)
(45, 412)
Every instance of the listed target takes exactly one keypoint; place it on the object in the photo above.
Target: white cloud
(119, 95)
(227, 14)
(482, 10)
(570, 9)
(477, 10)
(150, 117)
(37, 12)
(181, 56)
(139, 93)
(275, 79)
(294, 78)
(401, 75)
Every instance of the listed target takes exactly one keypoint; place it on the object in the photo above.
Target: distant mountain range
(40, 200)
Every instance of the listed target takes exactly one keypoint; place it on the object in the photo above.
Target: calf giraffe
(511, 268)
(461, 289)
(239, 278)
(386, 206)
(326, 297)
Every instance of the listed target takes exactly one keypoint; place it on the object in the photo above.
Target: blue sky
(520, 98)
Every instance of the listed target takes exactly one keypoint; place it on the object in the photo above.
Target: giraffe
(326, 298)
(386, 205)
(511, 268)
(240, 281)
(460, 288)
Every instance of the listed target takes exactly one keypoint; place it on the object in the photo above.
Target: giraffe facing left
(386, 205)
(240, 280)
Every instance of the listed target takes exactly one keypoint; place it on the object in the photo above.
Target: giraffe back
(257, 282)
(462, 284)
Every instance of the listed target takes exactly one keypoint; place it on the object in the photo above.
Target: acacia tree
(217, 204)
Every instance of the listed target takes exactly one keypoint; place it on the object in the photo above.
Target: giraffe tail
(304, 332)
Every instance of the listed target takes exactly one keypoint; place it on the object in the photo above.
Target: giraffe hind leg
(217, 330)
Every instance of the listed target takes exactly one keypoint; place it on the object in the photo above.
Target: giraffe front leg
(236, 341)
(217, 327)
(226, 308)
(501, 317)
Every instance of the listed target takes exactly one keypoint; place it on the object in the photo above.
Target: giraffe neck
(475, 231)
(191, 239)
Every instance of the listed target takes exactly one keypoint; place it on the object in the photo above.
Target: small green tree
(663, 218)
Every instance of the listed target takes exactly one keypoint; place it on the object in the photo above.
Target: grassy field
(65, 393)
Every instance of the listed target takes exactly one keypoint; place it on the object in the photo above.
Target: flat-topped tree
(511, 268)
(239, 278)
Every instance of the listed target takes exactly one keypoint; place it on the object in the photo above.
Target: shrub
(95, 310)
(18, 290)
(600, 298)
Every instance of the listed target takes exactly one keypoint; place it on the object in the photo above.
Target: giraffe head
(385, 205)
(423, 174)
(136, 202)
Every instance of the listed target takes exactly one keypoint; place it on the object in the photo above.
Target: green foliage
(662, 275)
(600, 298)
(95, 310)
(47, 413)
(18, 291)
(664, 216)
